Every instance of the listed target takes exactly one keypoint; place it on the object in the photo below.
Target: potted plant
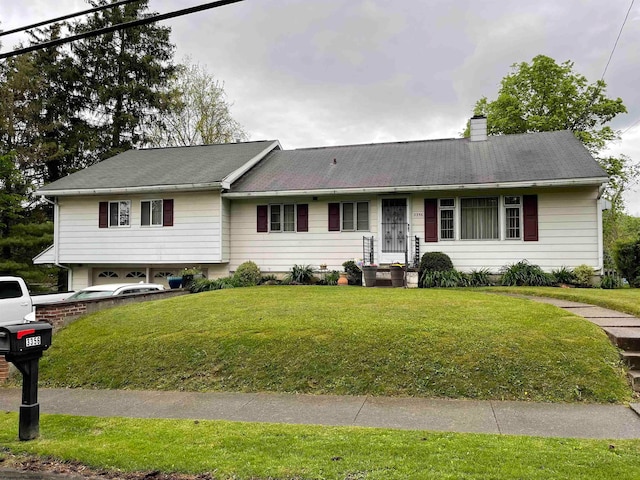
(189, 274)
(370, 272)
(174, 281)
(343, 280)
(397, 274)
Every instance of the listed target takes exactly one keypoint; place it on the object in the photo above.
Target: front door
(394, 230)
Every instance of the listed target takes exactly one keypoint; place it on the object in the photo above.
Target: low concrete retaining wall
(62, 313)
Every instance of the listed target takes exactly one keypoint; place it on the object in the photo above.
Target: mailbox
(23, 346)
(25, 338)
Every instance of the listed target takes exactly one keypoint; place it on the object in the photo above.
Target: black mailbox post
(23, 345)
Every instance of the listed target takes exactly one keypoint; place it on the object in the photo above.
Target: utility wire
(64, 17)
(119, 26)
(617, 39)
(630, 127)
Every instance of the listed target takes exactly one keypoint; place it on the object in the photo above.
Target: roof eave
(193, 187)
(576, 182)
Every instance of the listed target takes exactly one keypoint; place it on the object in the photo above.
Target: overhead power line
(617, 39)
(119, 26)
(65, 17)
(630, 127)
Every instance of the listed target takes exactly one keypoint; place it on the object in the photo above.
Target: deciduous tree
(200, 112)
(544, 96)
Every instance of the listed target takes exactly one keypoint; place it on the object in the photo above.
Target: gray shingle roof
(162, 166)
(501, 159)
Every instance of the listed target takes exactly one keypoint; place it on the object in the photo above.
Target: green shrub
(247, 275)
(329, 278)
(626, 254)
(435, 262)
(206, 285)
(300, 274)
(610, 282)
(354, 274)
(443, 279)
(269, 279)
(479, 278)
(525, 274)
(584, 275)
(564, 275)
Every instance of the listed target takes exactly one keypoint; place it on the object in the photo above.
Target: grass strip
(341, 341)
(260, 451)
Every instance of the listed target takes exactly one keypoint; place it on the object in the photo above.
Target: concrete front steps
(624, 332)
(627, 338)
(383, 277)
(622, 329)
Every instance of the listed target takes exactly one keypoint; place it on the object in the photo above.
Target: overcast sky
(330, 72)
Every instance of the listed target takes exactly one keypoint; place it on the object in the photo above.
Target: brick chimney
(478, 128)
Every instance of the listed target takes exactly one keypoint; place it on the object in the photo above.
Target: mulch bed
(75, 470)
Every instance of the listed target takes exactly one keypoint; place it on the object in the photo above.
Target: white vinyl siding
(567, 231)
(195, 237)
(278, 253)
(226, 226)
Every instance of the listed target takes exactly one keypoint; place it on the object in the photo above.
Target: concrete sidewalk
(496, 417)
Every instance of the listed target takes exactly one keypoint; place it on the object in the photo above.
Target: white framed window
(447, 207)
(289, 218)
(282, 218)
(136, 275)
(151, 213)
(479, 218)
(120, 213)
(275, 218)
(355, 216)
(108, 274)
(512, 217)
(163, 274)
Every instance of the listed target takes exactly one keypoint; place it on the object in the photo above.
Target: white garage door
(104, 276)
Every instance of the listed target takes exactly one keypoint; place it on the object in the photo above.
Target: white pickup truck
(16, 303)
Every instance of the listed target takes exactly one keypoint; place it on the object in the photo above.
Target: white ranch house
(485, 201)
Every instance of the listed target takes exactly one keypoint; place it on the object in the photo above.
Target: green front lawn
(622, 299)
(265, 451)
(342, 340)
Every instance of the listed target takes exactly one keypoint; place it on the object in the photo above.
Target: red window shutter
(334, 217)
(263, 214)
(530, 214)
(430, 219)
(303, 217)
(167, 213)
(103, 215)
